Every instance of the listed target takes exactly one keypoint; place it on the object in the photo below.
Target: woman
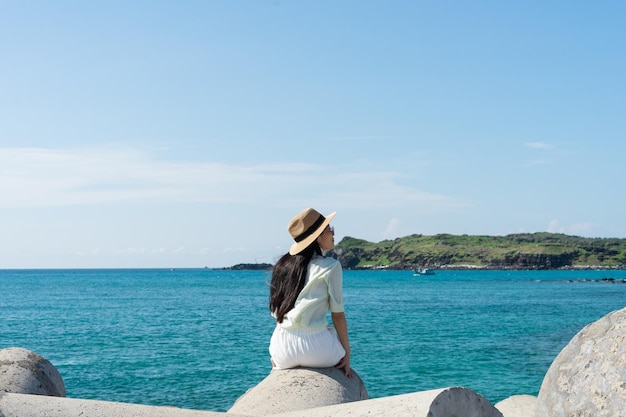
(305, 286)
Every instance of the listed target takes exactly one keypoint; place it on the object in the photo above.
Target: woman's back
(321, 293)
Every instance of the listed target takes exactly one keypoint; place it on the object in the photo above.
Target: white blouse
(322, 292)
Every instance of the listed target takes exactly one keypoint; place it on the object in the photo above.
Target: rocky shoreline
(471, 267)
(268, 267)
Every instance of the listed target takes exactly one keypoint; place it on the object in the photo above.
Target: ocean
(197, 338)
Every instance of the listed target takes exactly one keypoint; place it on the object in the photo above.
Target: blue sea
(197, 338)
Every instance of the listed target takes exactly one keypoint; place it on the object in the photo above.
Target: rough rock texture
(521, 260)
(25, 372)
(588, 377)
(25, 405)
(461, 402)
(298, 389)
(446, 402)
(518, 406)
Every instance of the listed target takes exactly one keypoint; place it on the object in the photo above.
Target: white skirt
(302, 347)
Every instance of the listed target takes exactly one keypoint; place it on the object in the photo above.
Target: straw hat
(306, 227)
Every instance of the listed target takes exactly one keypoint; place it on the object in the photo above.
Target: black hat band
(308, 232)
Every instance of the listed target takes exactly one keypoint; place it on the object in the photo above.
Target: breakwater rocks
(587, 378)
(25, 372)
(305, 388)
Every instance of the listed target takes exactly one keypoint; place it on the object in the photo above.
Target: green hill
(516, 251)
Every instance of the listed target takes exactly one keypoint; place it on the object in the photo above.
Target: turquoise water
(198, 338)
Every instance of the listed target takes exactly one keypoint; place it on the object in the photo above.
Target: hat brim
(298, 247)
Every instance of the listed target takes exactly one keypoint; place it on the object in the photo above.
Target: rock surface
(289, 393)
(25, 405)
(298, 389)
(25, 372)
(518, 406)
(445, 402)
(588, 377)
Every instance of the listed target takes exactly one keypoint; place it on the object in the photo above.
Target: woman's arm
(341, 326)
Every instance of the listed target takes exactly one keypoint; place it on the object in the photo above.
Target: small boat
(423, 271)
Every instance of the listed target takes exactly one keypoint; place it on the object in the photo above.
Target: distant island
(250, 267)
(515, 251)
(445, 251)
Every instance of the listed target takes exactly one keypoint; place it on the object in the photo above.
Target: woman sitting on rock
(305, 285)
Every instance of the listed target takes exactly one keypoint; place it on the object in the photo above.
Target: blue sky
(188, 133)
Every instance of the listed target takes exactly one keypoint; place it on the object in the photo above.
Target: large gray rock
(445, 402)
(286, 390)
(588, 377)
(25, 372)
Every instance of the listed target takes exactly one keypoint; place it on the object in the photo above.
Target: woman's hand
(341, 326)
(345, 365)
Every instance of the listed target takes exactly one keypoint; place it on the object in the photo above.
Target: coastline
(461, 267)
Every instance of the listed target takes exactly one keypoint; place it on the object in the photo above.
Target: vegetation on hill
(516, 251)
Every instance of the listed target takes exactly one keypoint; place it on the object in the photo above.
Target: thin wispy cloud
(392, 228)
(579, 229)
(39, 177)
(582, 229)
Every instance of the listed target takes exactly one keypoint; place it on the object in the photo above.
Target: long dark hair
(288, 279)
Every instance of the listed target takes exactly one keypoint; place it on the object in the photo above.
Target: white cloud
(582, 229)
(46, 177)
(38, 177)
(555, 227)
(393, 228)
(539, 145)
(579, 229)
